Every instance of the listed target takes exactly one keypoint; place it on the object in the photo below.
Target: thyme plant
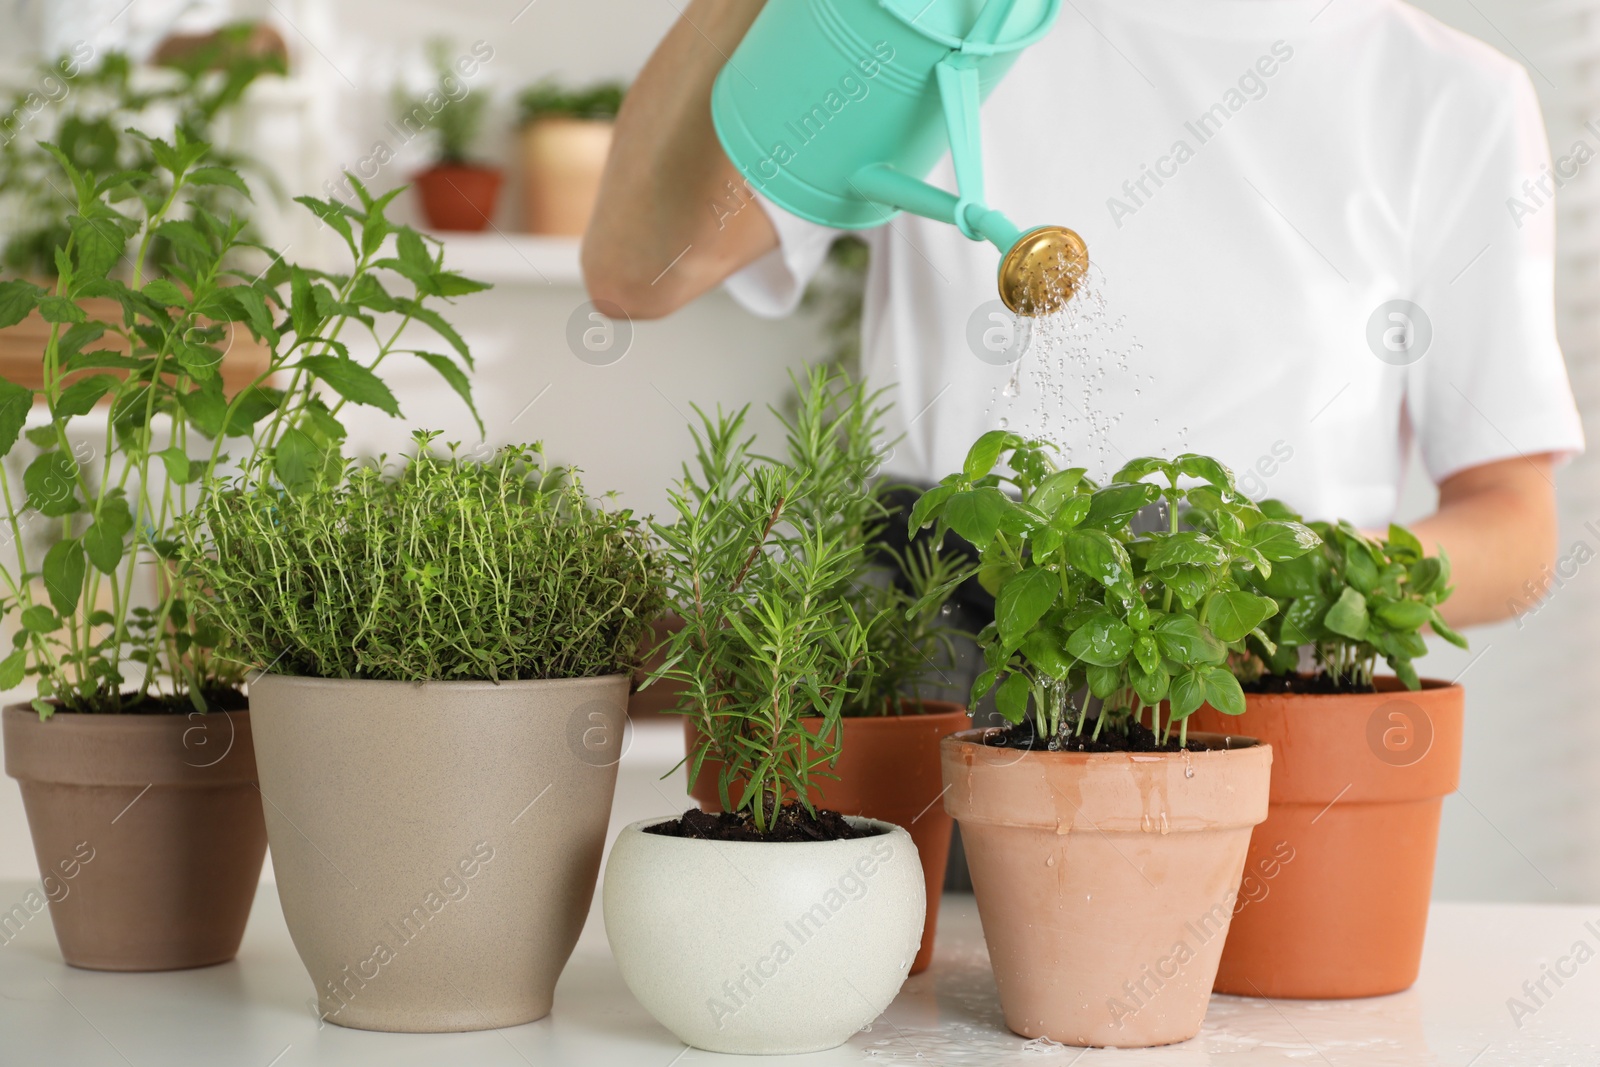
(169, 423)
(1356, 601)
(769, 640)
(445, 568)
(1086, 607)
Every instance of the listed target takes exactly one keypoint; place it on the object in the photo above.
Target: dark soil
(795, 823)
(219, 699)
(1309, 684)
(1137, 738)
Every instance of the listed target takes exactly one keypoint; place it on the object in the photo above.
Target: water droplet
(1005, 423)
(1050, 861)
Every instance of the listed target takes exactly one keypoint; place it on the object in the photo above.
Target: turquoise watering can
(836, 109)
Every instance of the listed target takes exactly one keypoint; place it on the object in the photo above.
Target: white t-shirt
(1257, 181)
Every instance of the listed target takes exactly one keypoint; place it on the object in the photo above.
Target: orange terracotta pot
(562, 161)
(888, 770)
(459, 196)
(1106, 881)
(1335, 900)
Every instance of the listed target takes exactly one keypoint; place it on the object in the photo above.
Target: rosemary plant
(169, 423)
(443, 569)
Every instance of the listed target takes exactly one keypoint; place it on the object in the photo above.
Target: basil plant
(1087, 606)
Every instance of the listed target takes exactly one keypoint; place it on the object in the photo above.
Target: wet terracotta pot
(459, 196)
(888, 770)
(1106, 881)
(147, 830)
(562, 159)
(1335, 900)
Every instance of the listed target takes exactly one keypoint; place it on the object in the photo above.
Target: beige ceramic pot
(562, 161)
(147, 830)
(436, 845)
(1106, 881)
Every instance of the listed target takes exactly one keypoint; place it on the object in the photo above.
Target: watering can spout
(1040, 269)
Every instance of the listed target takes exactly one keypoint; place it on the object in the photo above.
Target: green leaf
(1046, 649)
(985, 453)
(1152, 685)
(13, 669)
(1056, 489)
(1302, 621)
(1103, 640)
(1103, 681)
(1011, 699)
(1282, 541)
(40, 620)
(296, 458)
(1187, 547)
(18, 298)
(218, 176)
(180, 468)
(52, 484)
(1232, 615)
(1403, 614)
(1023, 600)
(927, 506)
(1139, 469)
(1206, 469)
(1404, 543)
(60, 309)
(1188, 582)
(104, 541)
(975, 514)
(63, 573)
(455, 378)
(981, 686)
(1115, 504)
(1183, 640)
(15, 403)
(1444, 631)
(1188, 692)
(1348, 615)
(1223, 691)
(81, 396)
(354, 382)
(1147, 654)
(1097, 555)
(1406, 673)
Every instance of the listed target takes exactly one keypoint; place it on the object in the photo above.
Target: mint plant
(170, 424)
(770, 641)
(438, 569)
(548, 99)
(1354, 602)
(1085, 607)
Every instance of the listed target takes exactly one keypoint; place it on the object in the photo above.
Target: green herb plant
(1087, 607)
(455, 121)
(769, 640)
(548, 99)
(90, 122)
(1354, 602)
(170, 423)
(444, 568)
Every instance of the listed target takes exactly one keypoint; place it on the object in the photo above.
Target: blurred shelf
(513, 258)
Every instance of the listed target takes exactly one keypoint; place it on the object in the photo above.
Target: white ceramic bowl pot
(761, 947)
(436, 845)
(1106, 881)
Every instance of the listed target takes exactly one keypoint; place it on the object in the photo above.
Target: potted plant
(1105, 840)
(1364, 764)
(887, 767)
(447, 648)
(566, 136)
(138, 743)
(457, 193)
(775, 926)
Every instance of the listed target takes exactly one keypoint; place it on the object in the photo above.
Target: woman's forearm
(674, 217)
(1498, 524)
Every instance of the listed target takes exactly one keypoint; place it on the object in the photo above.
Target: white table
(251, 1012)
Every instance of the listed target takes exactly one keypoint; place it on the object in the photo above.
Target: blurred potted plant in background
(1363, 765)
(445, 643)
(457, 193)
(1092, 837)
(770, 653)
(887, 764)
(566, 135)
(89, 104)
(138, 742)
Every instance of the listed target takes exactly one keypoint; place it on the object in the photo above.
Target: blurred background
(516, 166)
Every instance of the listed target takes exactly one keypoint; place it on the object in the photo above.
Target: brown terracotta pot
(147, 829)
(459, 196)
(562, 161)
(888, 770)
(1338, 878)
(662, 697)
(1105, 881)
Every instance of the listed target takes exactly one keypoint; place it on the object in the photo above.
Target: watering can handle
(972, 44)
(959, 92)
